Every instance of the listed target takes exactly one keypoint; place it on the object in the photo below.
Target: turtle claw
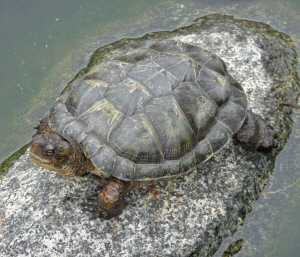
(91, 205)
(104, 216)
(92, 200)
(99, 215)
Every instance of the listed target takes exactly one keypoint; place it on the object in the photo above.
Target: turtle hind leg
(256, 133)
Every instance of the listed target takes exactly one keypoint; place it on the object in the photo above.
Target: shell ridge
(164, 69)
(225, 125)
(151, 129)
(117, 123)
(206, 94)
(211, 149)
(140, 85)
(181, 111)
(237, 104)
(96, 104)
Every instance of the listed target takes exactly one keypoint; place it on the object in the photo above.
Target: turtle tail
(256, 133)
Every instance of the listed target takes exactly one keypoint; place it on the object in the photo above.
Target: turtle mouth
(37, 159)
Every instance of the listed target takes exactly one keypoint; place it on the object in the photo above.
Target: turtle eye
(49, 151)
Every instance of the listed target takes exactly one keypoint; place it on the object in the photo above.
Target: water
(44, 43)
(35, 37)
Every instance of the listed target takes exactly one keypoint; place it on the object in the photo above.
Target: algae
(8, 162)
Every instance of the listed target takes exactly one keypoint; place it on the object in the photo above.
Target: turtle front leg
(110, 199)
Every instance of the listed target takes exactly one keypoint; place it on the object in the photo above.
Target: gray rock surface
(41, 213)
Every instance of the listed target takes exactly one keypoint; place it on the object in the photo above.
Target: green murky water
(44, 43)
(36, 36)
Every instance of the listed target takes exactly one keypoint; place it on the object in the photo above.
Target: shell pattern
(154, 112)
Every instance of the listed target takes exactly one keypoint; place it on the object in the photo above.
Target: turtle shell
(153, 112)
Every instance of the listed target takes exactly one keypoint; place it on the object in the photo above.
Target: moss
(234, 248)
(7, 163)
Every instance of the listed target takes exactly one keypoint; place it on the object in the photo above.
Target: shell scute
(157, 81)
(85, 95)
(198, 107)
(91, 144)
(104, 159)
(119, 93)
(184, 69)
(172, 46)
(215, 85)
(139, 146)
(173, 130)
(102, 118)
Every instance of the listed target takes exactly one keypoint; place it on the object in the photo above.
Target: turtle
(152, 112)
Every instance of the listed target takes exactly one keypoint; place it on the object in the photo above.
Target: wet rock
(41, 212)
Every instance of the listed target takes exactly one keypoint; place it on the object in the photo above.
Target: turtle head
(55, 152)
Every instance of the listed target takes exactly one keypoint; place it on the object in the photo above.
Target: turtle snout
(39, 140)
(43, 147)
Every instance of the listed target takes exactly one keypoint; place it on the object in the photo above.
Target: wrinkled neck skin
(77, 164)
(68, 160)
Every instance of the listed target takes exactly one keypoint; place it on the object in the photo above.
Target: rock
(41, 213)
